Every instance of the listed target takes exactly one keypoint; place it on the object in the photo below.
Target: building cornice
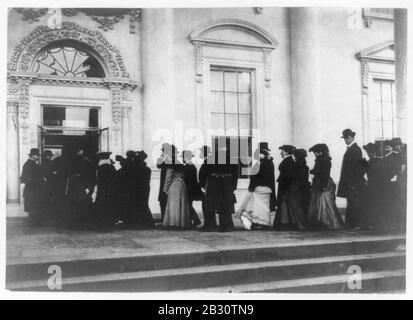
(72, 81)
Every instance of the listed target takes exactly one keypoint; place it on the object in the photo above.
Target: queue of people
(375, 189)
(75, 191)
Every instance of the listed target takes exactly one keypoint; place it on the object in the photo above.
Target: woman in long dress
(298, 189)
(177, 211)
(287, 216)
(323, 212)
(260, 201)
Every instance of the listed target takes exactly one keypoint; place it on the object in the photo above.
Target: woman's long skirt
(290, 212)
(323, 211)
(255, 209)
(177, 211)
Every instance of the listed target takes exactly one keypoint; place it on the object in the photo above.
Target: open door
(41, 140)
(104, 139)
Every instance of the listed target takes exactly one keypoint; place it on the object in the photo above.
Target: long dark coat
(220, 190)
(289, 212)
(285, 178)
(106, 175)
(33, 190)
(143, 216)
(191, 182)
(352, 172)
(125, 193)
(162, 196)
(352, 185)
(49, 186)
(265, 177)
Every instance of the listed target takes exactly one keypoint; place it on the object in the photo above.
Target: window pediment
(380, 52)
(232, 32)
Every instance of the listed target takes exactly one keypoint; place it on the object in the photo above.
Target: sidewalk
(46, 244)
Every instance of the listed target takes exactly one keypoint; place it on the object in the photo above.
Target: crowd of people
(72, 190)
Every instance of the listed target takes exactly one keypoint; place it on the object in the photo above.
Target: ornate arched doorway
(71, 83)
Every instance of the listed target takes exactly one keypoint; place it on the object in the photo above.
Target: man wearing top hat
(221, 182)
(33, 193)
(352, 180)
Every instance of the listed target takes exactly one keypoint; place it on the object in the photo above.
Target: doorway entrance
(75, 125)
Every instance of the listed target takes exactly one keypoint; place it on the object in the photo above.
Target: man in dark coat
(103, 194)
(80, 188)
(209, 219)
(163, 165)
(33, 188)
(221, 182)
(391, 169)
(373, 195)
(61, 170)
(352, 181)
(285, 180)
(192, 185)
(49, 186)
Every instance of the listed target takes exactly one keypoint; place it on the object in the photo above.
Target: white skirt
(256, 208)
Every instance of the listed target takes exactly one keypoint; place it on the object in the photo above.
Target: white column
(306, 66)
(12, 153)
(125, 129)
(158, 74)
(400, 47)
(116, 138)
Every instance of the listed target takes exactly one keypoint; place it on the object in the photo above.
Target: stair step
(27, 270)
(221, 275)
(389, 281)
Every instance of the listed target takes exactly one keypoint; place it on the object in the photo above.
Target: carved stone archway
(20, 78)
(26, 50)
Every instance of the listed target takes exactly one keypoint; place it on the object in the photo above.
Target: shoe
(246, 223)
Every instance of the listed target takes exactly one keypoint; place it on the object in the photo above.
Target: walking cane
(67, 186)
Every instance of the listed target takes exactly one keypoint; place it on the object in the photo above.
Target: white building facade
(113, 79)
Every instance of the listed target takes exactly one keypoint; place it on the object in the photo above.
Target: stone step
(222, 275)
(372, 282)
(35, 269)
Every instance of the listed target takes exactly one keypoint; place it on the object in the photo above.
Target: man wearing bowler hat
(352, 180)
(33, 193)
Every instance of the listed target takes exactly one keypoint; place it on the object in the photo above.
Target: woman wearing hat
(286, 217)
(177, 210)
(300, 191)
(260, 201)
(104, 192)
(33, 193)
(323, 212)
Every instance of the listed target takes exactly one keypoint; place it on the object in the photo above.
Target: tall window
(383, 109)
(231, 108)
